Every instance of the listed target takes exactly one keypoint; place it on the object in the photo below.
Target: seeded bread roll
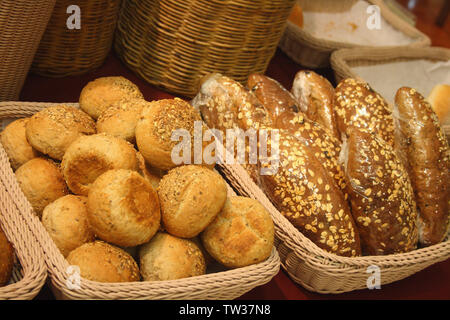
(381, 195)
(308, 196)
(167, 257)
(154, 130)
(102, 262)
(358, 106)
(121, 118)
(273, 96)
(242, 233)
(66, 221)
(191, 197)
(315, 96)
(52, 130)
(6, 259)
(14, 140)
(428, 161)
(90, 156)
(42, 182)
(101, 93)
(123, 208)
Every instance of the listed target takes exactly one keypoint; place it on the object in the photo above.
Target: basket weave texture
(312, 52)
(22, 24)
(63, 51)
(222, 285)
(172, 44)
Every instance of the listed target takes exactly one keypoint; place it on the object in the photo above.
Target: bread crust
(6, 259)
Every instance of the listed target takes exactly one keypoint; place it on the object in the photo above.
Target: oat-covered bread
(6, 259)
(15, 143)
(53, 129)
(242, 233)
(102, 262)
(101, 93)
(167, 257)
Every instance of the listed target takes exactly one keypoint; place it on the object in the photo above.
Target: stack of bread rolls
(356, 176)
(102, 180)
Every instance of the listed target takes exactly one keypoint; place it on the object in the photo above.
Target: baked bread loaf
(102, 262)
(123, 208)
(154, 130)
(358, 106)
(42, 182)
(315, 96)
(167, 257)
(381, 195)
(242, 233)
(90, 156)
(99, 94)
(191, 196)
(428, 155)
(6, 259)
(121, 118)
(439, 98)
(308, 196)
(52, 130)
(14, 140)
(66, 221)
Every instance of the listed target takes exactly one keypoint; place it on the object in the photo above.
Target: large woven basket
(22, 24)
(323, 272)
(172, 44)
(312, 52)
(63, 51)
(228, 284)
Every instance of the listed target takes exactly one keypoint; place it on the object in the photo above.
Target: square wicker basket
(223, 284)
(312, 52)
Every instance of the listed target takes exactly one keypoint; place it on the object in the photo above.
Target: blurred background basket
(312, 52)
(22, 24)
(172, 44)
(63, 51)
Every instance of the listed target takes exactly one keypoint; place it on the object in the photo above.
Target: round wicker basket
(172, 44)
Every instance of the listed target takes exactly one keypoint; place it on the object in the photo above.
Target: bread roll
(102, 262)
(428, 155)
(123, 208)
(167, 257)
(66, 221)
(315, 96)
(99, 94)
(121, 118)
(191, 196)
(159, 120)
(381, 195)
(308, 196)
(16, 145)
(358, 106)
(6, 259)
(242, 233)
(41, 182)
(90, 156)
(52, 130)
(439, 98)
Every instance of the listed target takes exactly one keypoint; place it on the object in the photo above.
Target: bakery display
(6, 259)
(167, 257)
(101, 93)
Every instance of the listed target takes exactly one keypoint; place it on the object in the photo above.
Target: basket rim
(248, 277)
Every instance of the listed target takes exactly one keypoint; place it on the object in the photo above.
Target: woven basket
(227, 284)
(172, 44)
(21, 26)
(65, 52)
(312, 52)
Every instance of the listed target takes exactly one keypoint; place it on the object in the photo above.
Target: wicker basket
(22, 24)
(64, 52)
(172, 44)
(312, 52)
(228, 284)
(323, 272)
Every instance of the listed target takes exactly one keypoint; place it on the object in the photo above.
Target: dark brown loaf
(428, 155)
(6, 259)
(381, 195)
